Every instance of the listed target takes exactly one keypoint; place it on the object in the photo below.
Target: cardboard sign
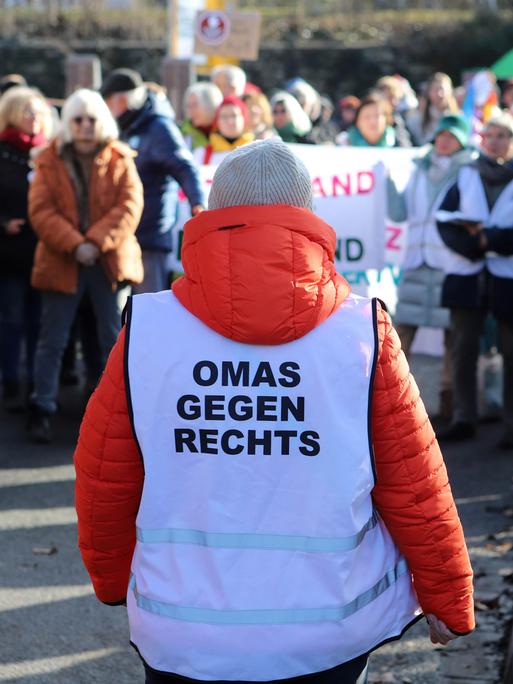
(235, 34)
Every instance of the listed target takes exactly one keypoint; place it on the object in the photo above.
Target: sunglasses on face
(80, 119)
(279, 110)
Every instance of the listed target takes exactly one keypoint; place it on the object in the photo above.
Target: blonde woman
(439, 100)
(25, 123)
(85, 202)
(260, 115)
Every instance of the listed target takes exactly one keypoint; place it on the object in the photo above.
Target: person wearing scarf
(420, 288)
(25, 121)
(370, 127)
(229, 131)
(290, 120)
(476, 222)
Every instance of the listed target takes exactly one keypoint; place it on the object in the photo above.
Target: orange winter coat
(115, 207)
(265, 275)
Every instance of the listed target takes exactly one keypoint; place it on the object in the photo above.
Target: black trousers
(352, 672)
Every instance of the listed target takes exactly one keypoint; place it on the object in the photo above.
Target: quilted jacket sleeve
(109, 483)
(412, 493)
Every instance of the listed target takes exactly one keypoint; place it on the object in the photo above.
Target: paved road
(54, 631)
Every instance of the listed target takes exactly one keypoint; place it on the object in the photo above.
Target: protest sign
(234, 34)
(349, 188)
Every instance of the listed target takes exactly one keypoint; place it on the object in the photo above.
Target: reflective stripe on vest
(255, 541)
(258, 554)
(270, 617)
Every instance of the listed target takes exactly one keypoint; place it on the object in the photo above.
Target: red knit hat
(236, 102)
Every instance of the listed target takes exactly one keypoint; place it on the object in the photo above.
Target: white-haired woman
(230, 79)
(290, 120)
(307, 96)
(25, 123)
(85, 202)
(201, 101)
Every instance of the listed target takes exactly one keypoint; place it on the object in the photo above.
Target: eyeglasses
(80, 119)
(279, 110)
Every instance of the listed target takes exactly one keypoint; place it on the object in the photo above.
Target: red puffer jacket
(271, 279)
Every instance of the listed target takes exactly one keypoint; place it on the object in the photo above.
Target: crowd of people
(89, 197)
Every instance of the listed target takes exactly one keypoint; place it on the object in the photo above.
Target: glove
(87, 253)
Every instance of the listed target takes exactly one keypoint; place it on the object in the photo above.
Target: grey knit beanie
(264, 172)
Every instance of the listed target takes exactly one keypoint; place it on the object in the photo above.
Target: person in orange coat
(85, 201)
(156, 517)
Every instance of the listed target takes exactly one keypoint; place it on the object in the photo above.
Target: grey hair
(308, 98)
(88, 102)
(297, 114)
(500, 119)
(233, 74)
(208, 94)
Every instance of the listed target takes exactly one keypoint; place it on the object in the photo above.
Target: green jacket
(193, 137)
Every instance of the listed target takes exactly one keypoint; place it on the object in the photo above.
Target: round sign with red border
(213, 27)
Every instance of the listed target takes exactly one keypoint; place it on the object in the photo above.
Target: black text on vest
(229, 411)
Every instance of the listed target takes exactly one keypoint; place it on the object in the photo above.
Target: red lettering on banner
(343, 183)
(318, 188)
(394, 233)
(365, 182)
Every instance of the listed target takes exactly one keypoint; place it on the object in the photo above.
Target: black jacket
(16, 251)
(483, 290)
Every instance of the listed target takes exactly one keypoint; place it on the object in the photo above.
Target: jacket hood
(154, 107)
(260, 274)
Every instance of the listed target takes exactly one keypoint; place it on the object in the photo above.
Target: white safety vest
(474, 207)
(425, 246)
(259, 555)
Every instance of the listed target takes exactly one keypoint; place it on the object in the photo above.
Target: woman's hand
(439, 633)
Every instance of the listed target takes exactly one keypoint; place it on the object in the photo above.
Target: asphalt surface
(52, 629)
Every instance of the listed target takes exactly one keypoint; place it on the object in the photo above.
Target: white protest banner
(349, 188)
